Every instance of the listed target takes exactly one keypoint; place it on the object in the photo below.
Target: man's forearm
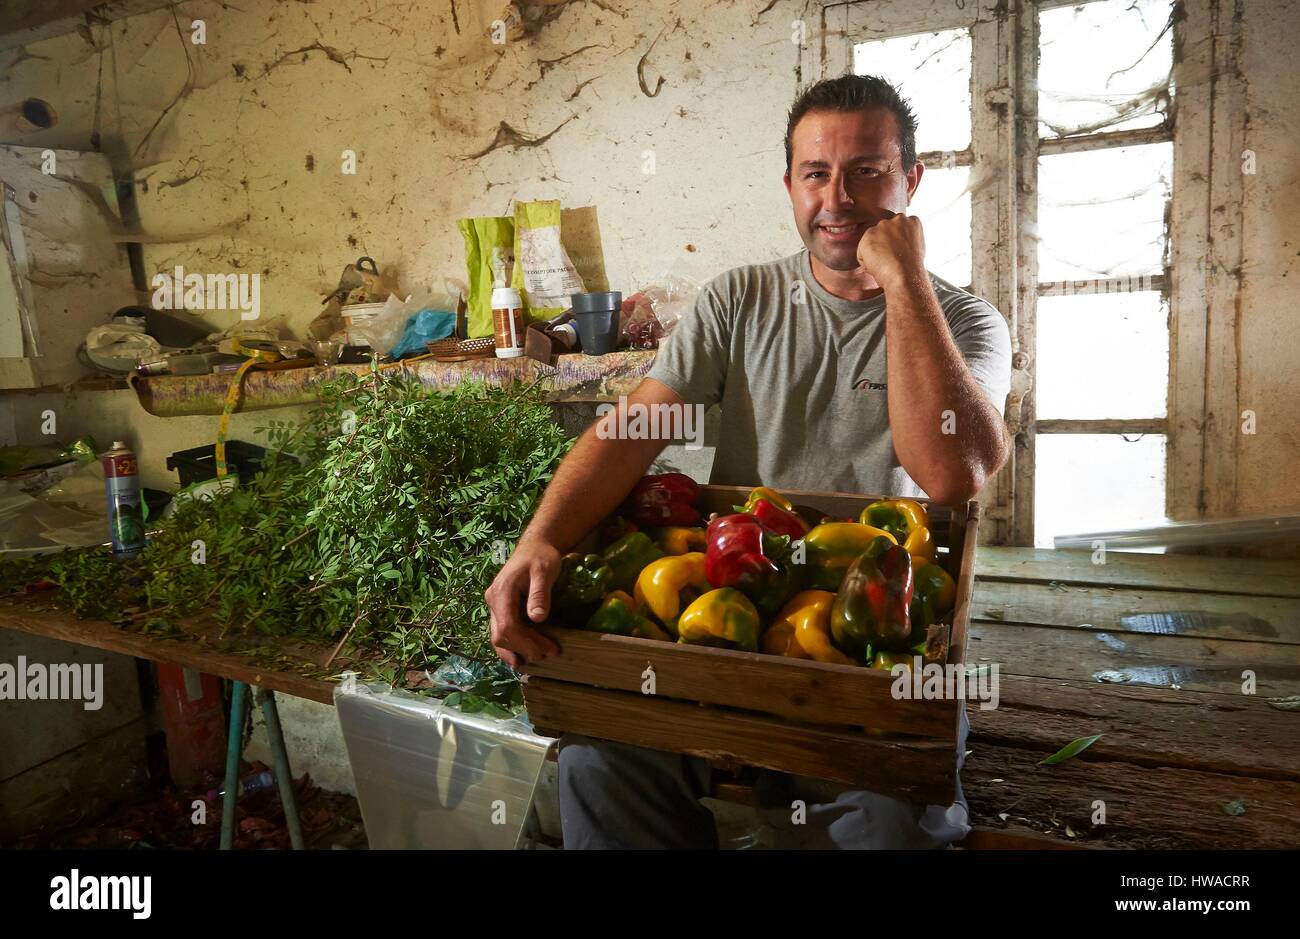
(946, 434)
(598, 473)
(588, 485)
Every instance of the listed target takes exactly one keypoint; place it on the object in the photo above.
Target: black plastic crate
(200, 463)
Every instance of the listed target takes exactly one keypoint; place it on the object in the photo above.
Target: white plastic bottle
(507, 312)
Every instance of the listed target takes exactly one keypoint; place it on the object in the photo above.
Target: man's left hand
(893, 248)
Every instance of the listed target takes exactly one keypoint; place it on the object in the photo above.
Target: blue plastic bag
(423, 327)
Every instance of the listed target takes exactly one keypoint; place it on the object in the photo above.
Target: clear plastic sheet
(36, 525)
(429, 776)
(1206, 533)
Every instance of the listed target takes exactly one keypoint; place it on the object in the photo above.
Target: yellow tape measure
(232, 399)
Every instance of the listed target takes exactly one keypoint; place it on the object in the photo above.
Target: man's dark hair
(855, 93)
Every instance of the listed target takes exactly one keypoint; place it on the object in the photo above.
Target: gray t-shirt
(800, 375)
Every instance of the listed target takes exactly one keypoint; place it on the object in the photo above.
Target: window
(933, 71)
(1047, 191)
(1102, 324)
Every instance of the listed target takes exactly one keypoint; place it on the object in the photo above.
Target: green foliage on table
(404, 506)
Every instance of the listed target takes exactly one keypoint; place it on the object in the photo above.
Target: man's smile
(850, 232)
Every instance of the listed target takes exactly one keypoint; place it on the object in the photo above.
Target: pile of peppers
(760, 579)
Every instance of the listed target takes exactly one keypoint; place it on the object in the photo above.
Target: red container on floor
(190, 704)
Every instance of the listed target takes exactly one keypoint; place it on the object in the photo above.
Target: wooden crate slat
(968, 531)
(1158, 612)
(815, 692)
(918, 770)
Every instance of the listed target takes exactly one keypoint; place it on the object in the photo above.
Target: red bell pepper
(740, 553)
(777, 520)
(775, 512)
(664, 500)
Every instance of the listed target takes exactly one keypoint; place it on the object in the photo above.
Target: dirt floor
(168, 819)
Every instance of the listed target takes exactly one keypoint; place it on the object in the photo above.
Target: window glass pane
(1103, 66)
(1094, 482)
(942, 203)
(1101, 213)
(1102, 355)
(932, 71)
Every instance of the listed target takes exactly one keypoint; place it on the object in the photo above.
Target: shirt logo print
(866, 384)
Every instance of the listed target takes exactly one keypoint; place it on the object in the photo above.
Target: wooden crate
(743, 708)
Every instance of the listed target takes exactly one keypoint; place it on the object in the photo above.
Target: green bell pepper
(933, 595)
(582, 583)
(628, 557)
(619, 615)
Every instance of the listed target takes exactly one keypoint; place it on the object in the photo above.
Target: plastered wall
(236, 145)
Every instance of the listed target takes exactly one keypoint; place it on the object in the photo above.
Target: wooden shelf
(575, 378)
(92, 383)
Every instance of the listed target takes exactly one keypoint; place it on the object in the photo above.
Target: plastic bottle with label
(507, 312)
(250, 783)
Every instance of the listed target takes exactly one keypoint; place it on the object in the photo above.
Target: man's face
(846, 174)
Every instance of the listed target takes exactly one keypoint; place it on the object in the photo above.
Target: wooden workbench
(1147, 650)
(1150, 651)
(264, 662)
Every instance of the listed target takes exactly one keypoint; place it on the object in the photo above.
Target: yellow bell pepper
(802, 630)
(667, 586)
(771, 495)
(721, 617)
(678, 539)
(832, 546)
(906, 521)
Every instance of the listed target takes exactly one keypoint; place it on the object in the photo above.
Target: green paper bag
(481, 236)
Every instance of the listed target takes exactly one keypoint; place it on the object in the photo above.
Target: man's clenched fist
(893, 249)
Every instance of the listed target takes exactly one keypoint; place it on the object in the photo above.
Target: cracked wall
(235, 145)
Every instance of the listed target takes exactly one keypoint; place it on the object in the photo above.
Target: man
(845, 367)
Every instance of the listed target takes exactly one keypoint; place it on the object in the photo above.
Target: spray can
(122, 493)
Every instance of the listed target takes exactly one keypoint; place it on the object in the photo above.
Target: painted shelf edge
(575, 378)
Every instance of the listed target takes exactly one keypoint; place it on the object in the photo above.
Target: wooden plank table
(200, 648)
(1150, 651)
(1147, 650)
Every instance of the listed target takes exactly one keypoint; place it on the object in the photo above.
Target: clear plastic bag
(651, 314)
(431, 776)
(385, 330)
